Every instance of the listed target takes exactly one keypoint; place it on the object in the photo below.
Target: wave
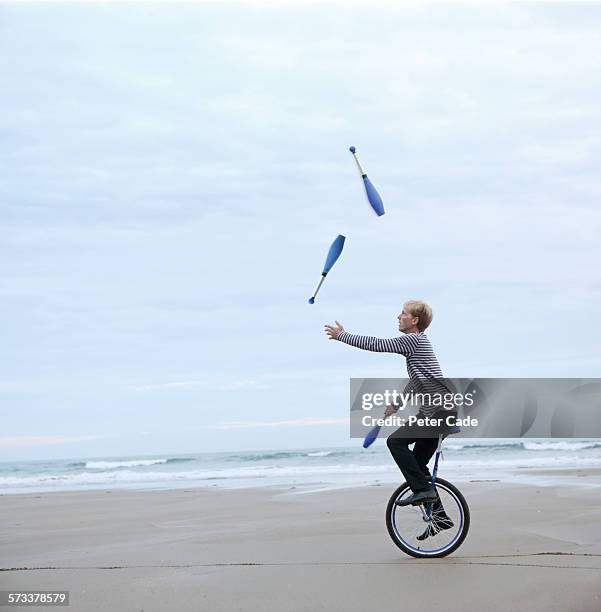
(560, 445)
(275, 455)
(134, 476)
(10, 470)
(498, 445)
(129, 463)
(264, 456)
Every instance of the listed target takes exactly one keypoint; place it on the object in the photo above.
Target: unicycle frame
(427, 508)
(441, 437)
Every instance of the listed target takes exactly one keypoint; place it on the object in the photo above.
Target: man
(424, 375)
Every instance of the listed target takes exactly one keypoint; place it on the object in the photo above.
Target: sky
(172, 175)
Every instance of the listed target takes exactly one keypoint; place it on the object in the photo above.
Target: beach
(534, 548)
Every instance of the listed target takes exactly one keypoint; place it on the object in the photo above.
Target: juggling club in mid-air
(372, 195)
(333, 255)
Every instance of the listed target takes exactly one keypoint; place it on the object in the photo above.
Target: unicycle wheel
(431, 531)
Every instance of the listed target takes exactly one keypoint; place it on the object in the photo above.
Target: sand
(529, 548)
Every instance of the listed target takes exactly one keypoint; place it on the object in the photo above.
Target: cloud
(167, 386)
(308, 422)
(235, 383)
(232, 385)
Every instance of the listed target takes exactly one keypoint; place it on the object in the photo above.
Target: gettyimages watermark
(476, 408)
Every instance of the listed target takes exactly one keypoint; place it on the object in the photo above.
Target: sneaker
(435, 527)
(421, 497)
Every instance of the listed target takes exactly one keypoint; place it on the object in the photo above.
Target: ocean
(302, 470)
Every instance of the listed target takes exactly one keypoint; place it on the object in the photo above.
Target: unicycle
(431, 530)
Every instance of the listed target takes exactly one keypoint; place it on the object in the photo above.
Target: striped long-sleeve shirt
(425, 374)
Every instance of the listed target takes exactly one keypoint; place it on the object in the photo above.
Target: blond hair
(421, 310)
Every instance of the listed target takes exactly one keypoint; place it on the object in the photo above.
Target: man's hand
(333, 331)
(390, 410)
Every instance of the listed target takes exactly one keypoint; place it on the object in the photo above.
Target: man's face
(406, 321)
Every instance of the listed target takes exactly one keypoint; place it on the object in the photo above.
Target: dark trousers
(413, 463)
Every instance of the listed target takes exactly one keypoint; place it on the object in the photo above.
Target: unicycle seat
(453, 430)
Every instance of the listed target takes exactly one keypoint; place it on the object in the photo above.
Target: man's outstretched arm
(403, 345)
